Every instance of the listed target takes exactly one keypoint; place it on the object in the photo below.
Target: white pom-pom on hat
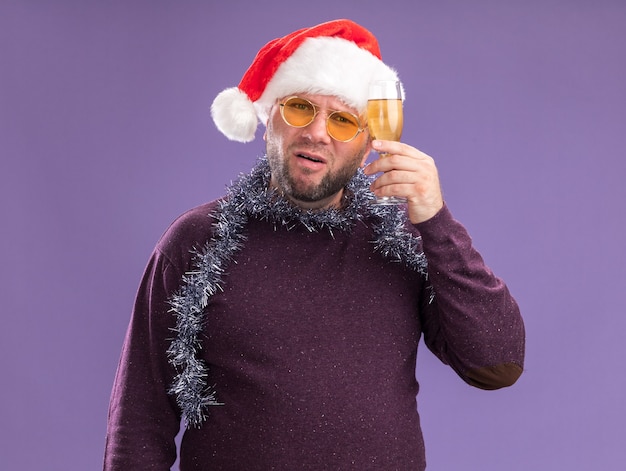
(234, 115)
(338, 58)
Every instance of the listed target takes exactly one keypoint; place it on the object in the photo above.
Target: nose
(316, 131)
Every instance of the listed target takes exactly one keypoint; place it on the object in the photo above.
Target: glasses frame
(316, 110)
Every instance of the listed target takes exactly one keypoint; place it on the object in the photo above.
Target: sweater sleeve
(143, 417)
(474, 324)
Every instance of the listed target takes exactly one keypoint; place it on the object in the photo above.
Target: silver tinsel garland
(250, 197)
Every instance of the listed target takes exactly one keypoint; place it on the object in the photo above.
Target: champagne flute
(385, 120)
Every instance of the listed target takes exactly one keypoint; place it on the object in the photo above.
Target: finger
(383, 164)
(420, 197)
(403, 190)
(396, 147)
(404, 163)
(387, 147)
(421, 177)
(393, 162)
(393, 177)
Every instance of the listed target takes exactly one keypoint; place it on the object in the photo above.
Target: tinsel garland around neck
(251, 197)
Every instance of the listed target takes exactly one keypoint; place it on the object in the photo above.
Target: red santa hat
(338, 58)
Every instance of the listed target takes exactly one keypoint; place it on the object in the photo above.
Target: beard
(331, 183)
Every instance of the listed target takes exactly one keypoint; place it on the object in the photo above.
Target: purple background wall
(105, 137)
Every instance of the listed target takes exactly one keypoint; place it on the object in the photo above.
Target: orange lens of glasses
(341, 125)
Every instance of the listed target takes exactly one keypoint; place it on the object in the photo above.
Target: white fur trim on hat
(326, 66)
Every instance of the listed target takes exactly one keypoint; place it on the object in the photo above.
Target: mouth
(311, 158)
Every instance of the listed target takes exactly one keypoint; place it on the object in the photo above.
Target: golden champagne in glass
(385, 119)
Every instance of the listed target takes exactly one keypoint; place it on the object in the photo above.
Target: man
(281, 322)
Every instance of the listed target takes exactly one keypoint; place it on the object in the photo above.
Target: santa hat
(338, 58)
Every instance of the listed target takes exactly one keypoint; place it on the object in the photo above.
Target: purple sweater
(311, 347)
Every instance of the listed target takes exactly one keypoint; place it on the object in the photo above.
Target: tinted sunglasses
(299, 112)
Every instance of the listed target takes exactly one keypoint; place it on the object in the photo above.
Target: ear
(267, 122)
(366, 152)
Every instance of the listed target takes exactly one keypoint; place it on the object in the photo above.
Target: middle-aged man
(281, 322)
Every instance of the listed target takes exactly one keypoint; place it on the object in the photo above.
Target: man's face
(308, 166)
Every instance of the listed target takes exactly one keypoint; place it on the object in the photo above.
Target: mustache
(307, 145)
